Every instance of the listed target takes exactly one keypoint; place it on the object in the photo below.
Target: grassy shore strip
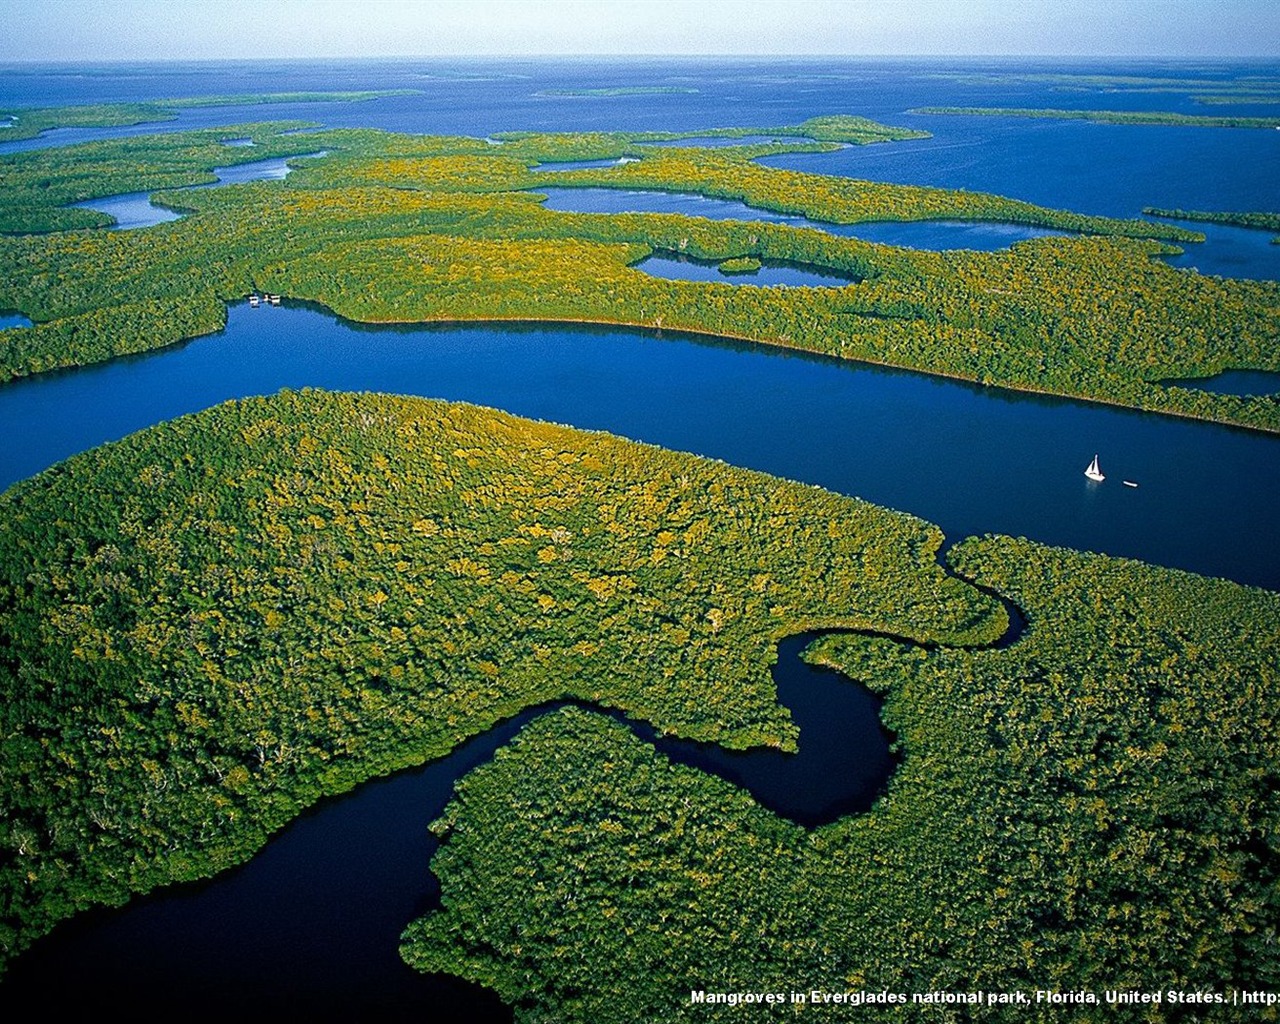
(837, 200)
(1092, 808)
(1117, 83)
(30, 122)
(1112, 116)
(1233, 99)
(1261, 221)
(253, 99)
(832, 128)
(275, 599)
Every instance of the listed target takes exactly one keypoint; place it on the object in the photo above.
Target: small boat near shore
(1129, 483)
(1093, 472)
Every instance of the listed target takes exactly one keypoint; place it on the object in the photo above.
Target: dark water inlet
(1233, 382)
(134, 210)
(310, 926)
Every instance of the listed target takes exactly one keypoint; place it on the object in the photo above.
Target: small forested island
(1209, 89)
(740, 265)
(28, 123)
(211, 625)
(622, 90)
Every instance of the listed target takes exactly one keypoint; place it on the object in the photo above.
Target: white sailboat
(1093, 472)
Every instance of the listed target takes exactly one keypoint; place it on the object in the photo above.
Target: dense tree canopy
(1094, 807)
(207, 626)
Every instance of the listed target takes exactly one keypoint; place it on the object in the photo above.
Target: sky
(99, 30)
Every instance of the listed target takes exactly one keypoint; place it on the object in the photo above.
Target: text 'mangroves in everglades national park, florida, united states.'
(632, 512)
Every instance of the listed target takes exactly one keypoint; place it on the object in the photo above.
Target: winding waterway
(934, 234)
(133, 210)
(1226, 250)
(310, 926)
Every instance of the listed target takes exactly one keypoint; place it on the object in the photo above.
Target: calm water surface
(1226, 251)
(933, 234)
(1235, 382)
(134, 210)
(971, 459)
(770, 273)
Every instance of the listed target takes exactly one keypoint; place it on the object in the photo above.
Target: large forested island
(209, 626)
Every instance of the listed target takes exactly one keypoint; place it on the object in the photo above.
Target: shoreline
(748, 339)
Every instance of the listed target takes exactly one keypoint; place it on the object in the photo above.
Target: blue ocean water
(1114, 170)
(971, 459)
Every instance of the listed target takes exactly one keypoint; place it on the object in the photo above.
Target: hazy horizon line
(775, 57)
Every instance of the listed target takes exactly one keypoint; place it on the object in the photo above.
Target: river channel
(971, 459)
(309, 928)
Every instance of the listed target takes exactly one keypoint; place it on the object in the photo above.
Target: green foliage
(1096, 806)
(1263, 221)
(740, 265)
(1268, 221)
(209, 625)
(29, 122)
(407, 228)
(836, 200)
(835, 128)
(38, 184)
(254, 99)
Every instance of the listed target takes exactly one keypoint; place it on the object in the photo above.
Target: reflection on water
(932, 234)
(8, 320)
(131, 210)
